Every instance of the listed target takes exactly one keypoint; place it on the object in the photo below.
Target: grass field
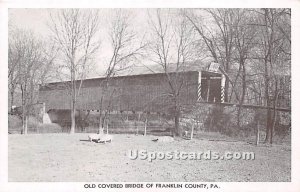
(64, 157)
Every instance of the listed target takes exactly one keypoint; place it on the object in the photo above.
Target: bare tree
(126, 48)
(273, 52)
(28, 67)
(248, 37)
(15, 53)
(75, 32)
(172, 49)
(218, 36)
(244, 42)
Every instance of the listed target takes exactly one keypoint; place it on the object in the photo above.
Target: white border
(72, 186)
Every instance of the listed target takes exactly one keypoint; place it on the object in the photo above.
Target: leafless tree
(244, 41)
(247, 37)
(218, 36)
(172, 49)
(273, 53)
(75, 32)
(126, 48)
(15, 53)
(28, 67)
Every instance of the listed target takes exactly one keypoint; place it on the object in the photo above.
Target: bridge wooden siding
(148, 92)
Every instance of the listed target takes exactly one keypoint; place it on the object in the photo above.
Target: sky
(38, 21)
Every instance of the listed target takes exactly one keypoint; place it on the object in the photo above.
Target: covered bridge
(146, 92)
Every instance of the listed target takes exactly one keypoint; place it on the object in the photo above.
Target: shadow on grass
(85, 140)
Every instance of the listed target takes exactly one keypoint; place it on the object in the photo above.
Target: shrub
(218, 120)
(14, 124)
(32, 122)
(222, 120)
(49, 128)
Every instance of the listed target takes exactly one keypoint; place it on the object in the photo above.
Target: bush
(14, 124)
(34, 126)
(224, 121)
(219, 120)
(49, 128)
(32, 122)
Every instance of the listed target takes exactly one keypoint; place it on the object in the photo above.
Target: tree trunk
(268, 126)
(24, 123)
(268, 57)
(242, 96)
(101, 128)
(100, 123)
(226, 90)
(273, 124)
(73, 94)
(274, 112)
(178, 131)
(73, 120)
(267, 99)
(145, 127)
(12, 94)
(106, 120)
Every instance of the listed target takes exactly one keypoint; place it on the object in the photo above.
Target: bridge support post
(223, 88)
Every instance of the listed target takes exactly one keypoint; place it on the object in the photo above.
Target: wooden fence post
(135, 124)
(145, 125)
(192, 133)
(257, 132)
(106, 126)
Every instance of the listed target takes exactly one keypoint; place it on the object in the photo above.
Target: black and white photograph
(156, 98)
